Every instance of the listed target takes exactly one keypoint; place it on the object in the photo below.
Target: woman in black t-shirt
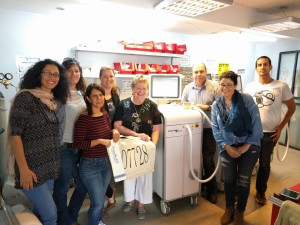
(138, 116)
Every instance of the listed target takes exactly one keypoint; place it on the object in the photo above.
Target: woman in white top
(67, 214)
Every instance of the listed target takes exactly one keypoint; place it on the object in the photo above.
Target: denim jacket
(224, 137)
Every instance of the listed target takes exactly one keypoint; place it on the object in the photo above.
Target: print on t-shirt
(264, 98)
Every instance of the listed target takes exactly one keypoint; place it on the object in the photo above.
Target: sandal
(141, 213)
(110, 205)
(127, 206)
(105, 213)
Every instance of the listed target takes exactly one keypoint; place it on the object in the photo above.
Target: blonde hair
(140, 78)
(102, 70)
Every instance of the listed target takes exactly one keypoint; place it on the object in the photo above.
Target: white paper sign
(138, 158)
(116, 162)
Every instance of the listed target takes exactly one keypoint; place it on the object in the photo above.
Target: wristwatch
(223, 146)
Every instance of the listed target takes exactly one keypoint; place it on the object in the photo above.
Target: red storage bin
(164, 69)
(149, 45)
(141, 68)
(138, 47)
(170, 48)
(124, 68)
(180, 49)
(174, 69)
(159, 47)
(153, 68)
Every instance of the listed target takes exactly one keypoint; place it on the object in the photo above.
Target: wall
(273, 50)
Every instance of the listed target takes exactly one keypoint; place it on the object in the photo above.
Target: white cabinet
(95, 58)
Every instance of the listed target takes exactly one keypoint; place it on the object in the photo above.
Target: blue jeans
(237, 176)
(95, 174)
(262, 177)
(67, 214)
(42, 201)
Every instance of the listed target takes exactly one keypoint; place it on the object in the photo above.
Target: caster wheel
(165, 207)
(194, 200)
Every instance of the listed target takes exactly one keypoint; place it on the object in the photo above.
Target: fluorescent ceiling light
(192, 7)
(286, 23)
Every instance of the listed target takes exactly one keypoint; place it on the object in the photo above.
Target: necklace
(136, 114)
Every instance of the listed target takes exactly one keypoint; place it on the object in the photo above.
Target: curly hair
(230, 75)
(139, 78)
(68, 63)
(32, 79)
(88, 92)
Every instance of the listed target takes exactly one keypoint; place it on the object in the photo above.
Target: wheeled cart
(172, 177)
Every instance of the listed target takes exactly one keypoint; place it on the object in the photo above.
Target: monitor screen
(165, 86)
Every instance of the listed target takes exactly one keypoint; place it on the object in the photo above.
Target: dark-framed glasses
(227, 86)
(49, 74)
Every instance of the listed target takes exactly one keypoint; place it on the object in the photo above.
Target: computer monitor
(165, 86)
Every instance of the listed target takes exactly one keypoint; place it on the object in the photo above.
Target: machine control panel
(180, 130)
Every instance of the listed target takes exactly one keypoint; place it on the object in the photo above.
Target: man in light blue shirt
(202, 93)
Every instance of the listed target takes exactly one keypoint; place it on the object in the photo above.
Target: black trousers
(209, 148)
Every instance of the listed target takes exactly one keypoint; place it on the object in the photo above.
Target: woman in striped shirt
(92, 136)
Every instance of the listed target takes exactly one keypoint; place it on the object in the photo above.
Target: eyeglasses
(227, 86)
(71, 60)
(49, 74)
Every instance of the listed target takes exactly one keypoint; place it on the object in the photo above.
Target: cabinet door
(174, 166)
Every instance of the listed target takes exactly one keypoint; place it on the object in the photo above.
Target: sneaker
(260, 198)
(141, 213)
(127, 206)
(101, 223)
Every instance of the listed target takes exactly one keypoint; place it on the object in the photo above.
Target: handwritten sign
(116, 162)
(138, 158)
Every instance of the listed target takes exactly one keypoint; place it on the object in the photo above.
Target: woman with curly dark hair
(35, 131)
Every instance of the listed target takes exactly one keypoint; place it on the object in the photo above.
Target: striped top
(88, 128)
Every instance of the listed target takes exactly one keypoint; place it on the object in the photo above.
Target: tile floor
(283, 174)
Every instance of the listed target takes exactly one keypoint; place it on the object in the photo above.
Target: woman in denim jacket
(237, 130)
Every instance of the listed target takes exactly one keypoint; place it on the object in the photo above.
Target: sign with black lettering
(138, 157)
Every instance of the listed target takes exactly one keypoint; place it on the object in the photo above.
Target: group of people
(245, 127)
(59, 130)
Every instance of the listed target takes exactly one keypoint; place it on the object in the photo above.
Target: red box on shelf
(138, 47)
(174, 69)
(164, 69)
(170, 48)
(141, 68)
(159, 47)
(149, 45)
(124, 68)
(153, 68)
(180, 49)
